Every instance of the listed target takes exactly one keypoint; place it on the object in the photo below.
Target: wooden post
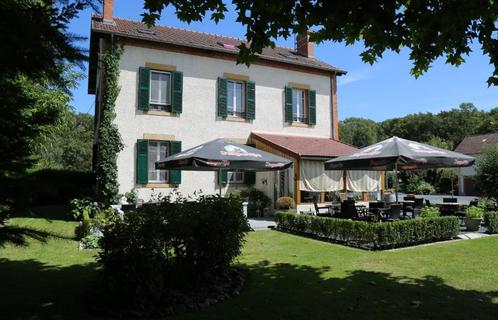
(322, 197)
(297, 175)
(345, 181)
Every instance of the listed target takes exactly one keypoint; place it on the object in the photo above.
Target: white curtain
(314, 177)
(363, 181)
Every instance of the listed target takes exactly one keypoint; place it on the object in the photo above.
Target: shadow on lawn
(286, 291)
(33, 290)
(19, 235)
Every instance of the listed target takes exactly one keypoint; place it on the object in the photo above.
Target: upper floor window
(235, 98)
(160, 91)
(299, 105)
(157, 151)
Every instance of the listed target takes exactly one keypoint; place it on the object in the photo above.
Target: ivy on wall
(109, 140)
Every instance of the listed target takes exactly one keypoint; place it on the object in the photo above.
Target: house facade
(181, 88)
(473, 146)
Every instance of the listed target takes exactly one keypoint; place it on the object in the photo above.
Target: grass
(290, 277)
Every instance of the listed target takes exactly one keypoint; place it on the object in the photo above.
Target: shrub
(430, 212)
(417, 185)
(379, 235)
(474, 212)
(131, 196)
(487, 172)
(491, 221)
(91, 241)
(258, 201)
(81, 207)
(159, 249)
(486, 203)
(285, 203)
(4, 213)
(48, 187)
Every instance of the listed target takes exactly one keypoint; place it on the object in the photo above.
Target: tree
(427, 29)
(487, 172)
(359, 132)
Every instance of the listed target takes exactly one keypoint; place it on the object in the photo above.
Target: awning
(363, 181)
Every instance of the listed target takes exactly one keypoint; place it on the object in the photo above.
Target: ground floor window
(157, 151)
(235, 177)
(307, 196)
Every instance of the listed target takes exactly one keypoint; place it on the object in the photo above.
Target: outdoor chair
(327, 213)
(415, 209)
(473, 203)
(348, 210)
(427, 202)
(394, 212)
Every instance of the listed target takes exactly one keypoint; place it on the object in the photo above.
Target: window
(235, 99)
(299, 105)
(160, 91)
(235, 177)
(157, 151)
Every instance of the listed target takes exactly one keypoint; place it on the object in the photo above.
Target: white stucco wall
(198, 123)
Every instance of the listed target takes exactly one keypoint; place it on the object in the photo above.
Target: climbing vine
(109, 140)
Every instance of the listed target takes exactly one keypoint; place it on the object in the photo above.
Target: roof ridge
(199, 32)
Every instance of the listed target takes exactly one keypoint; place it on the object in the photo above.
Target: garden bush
(48, 187)
(258, 201)
(491, 221)
(373, 235)
(430, 212)
(285, 203)
(474, 212)
(176, 246)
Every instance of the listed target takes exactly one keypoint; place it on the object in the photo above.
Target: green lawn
(290, 277)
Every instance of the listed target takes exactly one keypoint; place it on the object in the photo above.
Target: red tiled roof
(201, 40)
(303, 146)
(476, 144)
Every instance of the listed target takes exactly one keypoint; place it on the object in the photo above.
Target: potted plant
(473, 218)
(285, 203)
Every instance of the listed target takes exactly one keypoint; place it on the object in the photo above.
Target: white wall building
(181, 88)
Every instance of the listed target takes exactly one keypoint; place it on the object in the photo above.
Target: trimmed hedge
(491, 221)
(378, 235)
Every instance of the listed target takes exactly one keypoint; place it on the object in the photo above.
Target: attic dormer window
(146, 31)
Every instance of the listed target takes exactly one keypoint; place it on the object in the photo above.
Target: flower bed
(371, 235)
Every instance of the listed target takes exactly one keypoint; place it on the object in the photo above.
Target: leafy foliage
(487, 172)
(474, 212)
(179, 244)
(491, 221)
(360, 132)
(417, 185)
(258, 201)
(430, 212)
(285, 203)
(376, 235)
(427, 29)
(109, 140)
(82, 207)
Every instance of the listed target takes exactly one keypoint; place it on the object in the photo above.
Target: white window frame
(233, 112)
(234, 174)
(296, 114)
(168, 91)
(158, 158)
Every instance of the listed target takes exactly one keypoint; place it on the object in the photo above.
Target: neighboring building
(181, 88)
(472, 146)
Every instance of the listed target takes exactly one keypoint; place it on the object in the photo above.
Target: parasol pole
(219, 180)
(396, 180)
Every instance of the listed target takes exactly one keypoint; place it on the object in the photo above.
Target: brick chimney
(108, 15)
(303, 45)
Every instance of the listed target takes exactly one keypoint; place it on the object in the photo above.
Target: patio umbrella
(222, 154)
(399, 154)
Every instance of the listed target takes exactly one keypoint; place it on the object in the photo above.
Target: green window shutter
(249, 177)
(143, 88)
(177, 91)
(288, 104)
(222, 177)
(142, 171)
(250, 100)
(311, 107)
(222, 97)
(175, 176)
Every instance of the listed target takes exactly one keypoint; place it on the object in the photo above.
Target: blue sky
(381, 91)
